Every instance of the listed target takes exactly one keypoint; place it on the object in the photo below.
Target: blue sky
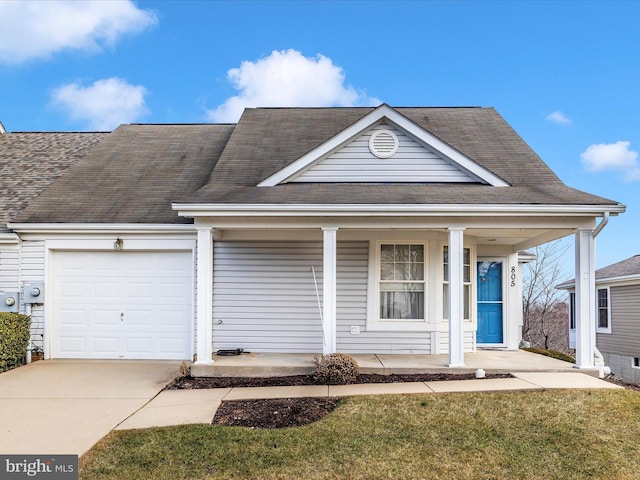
(565, 75)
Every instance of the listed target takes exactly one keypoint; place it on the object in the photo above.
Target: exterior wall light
(118, 245)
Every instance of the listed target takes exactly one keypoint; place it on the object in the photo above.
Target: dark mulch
(274, 413)
(618, 381)
(189, 383)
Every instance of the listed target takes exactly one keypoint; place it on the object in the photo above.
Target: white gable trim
(383, 111)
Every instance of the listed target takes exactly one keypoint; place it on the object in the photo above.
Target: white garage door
(133, 305)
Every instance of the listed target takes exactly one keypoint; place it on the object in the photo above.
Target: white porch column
(585, 313)
(456, 297)
(204, 308)
(329, 289)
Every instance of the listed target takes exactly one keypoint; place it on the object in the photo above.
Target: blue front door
(489, 302)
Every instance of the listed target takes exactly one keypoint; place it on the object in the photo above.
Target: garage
(129, 305)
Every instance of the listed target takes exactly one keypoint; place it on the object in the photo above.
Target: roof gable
(430, 158)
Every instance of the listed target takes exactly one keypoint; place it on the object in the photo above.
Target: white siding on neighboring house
(32, 263)
(9, 268)
(413, 162)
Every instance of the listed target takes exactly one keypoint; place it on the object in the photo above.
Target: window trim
(374, 322)
(606, 329)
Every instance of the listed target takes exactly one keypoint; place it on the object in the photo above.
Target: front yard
(532, 435)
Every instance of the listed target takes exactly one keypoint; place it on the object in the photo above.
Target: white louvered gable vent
(384, 143)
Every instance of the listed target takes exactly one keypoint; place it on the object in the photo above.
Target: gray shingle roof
(268, 139)
(132, 176)
(30, 162)
(630, 266)
(135, 173)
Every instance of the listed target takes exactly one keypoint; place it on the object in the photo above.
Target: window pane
(603, 320)
(417, 253)
(417, 271)
(445, 301)
(467, 273)
(402, 271)
(397, 305)
(572, 311)
(386, 253)
(402, 253)
(386, 271)
(467, 301)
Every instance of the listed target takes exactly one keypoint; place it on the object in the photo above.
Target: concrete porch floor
(279, 364)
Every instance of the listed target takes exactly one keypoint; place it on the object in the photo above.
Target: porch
(280, 364)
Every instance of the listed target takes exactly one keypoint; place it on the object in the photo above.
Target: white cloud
(38, 29)
(288, 79)
(558, 117)
(104, 105)
(612, 156)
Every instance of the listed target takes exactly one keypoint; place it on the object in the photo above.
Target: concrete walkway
(65, 407)
(179, 407)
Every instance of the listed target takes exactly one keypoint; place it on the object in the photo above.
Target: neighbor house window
(466, 278)
(603, 311)
(402, 282)
(636, 362)
(572, 311)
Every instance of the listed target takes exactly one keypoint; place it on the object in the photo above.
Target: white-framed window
(603, 310)
(466, 279)
(572, 310)
(398, 293)
(401, 282)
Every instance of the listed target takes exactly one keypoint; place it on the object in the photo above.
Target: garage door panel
(173, 345)
(73, 318)
(106, 347)
(105, 318)
(73, 346)
(153, 291)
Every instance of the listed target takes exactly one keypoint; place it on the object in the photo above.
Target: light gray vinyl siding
(265, 300)
(352, 271)
(264, 297)
(413, 162)
(624, 338)
(32, 270)
(9, 268)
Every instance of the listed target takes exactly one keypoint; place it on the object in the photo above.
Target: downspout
(598, 359)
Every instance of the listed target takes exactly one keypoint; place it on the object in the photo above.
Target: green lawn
(528, 435)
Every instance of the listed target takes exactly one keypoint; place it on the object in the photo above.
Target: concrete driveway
(66, 406)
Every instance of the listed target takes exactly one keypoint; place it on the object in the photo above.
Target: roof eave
(192, 210)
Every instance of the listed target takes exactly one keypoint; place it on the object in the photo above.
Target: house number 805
(513, 276)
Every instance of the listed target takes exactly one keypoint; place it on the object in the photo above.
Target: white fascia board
(602, 282)
(383, 111)
(99, 228)
(283, 210)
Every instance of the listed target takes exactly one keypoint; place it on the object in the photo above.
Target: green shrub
(14, 339)
(335, 369)
(551, 353)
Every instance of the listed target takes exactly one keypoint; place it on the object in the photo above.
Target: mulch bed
(274, 413)
(190, 383)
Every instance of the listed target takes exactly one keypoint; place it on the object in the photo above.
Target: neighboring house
(617, 296)
(359, 230)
